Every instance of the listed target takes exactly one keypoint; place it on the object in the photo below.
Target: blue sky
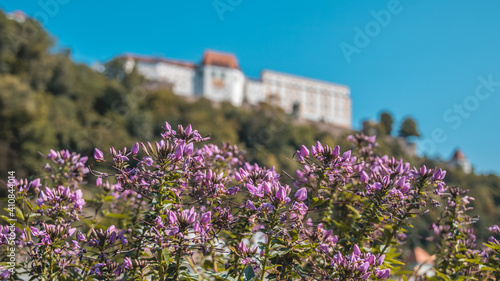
(426, 61)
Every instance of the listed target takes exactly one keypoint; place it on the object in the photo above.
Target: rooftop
(159, 59)
(220, 59)
(458, 155)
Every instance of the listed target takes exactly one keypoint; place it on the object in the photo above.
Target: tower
(459, 160)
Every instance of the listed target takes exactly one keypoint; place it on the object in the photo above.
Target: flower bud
(188, 130)
(304, 152)
(380, 260)
(280, 194)
(301, 194)
(336, 151)
(135, 149)
(98, 155)
(364, 176)
(206, 217)
(356, 250)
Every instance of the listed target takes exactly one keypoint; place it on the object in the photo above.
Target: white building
(459, 160)
(218, 77)
(17, 15)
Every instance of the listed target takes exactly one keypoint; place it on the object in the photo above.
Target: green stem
(50, 272)
(265, 258)
(402, 218)
(160, 262)
(191, 263)
(178, 257)
(370, 216)
(241, 274)
(160, 252)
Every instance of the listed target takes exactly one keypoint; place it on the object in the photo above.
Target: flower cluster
(177, 209)
(359, 266)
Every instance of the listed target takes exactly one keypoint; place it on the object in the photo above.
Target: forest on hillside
(47, 101)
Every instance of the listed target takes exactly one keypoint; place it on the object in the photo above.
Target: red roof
(458, 155)
(220, 59)
(156, 60)
(19, 13)
(422, 257)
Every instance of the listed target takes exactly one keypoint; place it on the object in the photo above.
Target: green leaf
(316, 202)
(442, 275)
(9, 220)
(19, 213)
(356, 213)
(116, 215)
(248, 273)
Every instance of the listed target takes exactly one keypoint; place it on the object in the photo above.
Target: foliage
(184, 210)
(409, 128)
(386, 122)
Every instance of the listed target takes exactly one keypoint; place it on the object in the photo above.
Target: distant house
(17, 15)
(459, 160)
(219, 77)
(421, 262)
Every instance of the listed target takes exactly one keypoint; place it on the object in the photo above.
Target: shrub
(179, 209)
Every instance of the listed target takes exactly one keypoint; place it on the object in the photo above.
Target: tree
(408, 128)
(386, 122)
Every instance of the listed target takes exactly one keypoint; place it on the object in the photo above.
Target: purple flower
(77, 198)
(127, 263)
(255, 190)
(52, 155)
(242, 248)
(179, 152)
(494, 229)
(380, 260)
(35, 184)
(438, 175)
(205, 218)
(336, 151)
(135, 149)
(304, 152)
(364, 176)
(37, 232)
(112, 238)
(364, 267)
(384, 273)
(98, 155)
(346, 155)
(188, 130)
(188, 149)
(148, 161)
(250, 206)
(172, 218)
(423, 171)
(323, 248)
(301, 194)
(280, 194)
(356, 250)
(80, 237)
(300, 206)
(5, 274)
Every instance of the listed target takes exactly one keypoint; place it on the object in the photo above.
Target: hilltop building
(459, 160)
(219, 77)
(17, 15)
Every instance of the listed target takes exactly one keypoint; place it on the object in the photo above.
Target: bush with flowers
(180, 209)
